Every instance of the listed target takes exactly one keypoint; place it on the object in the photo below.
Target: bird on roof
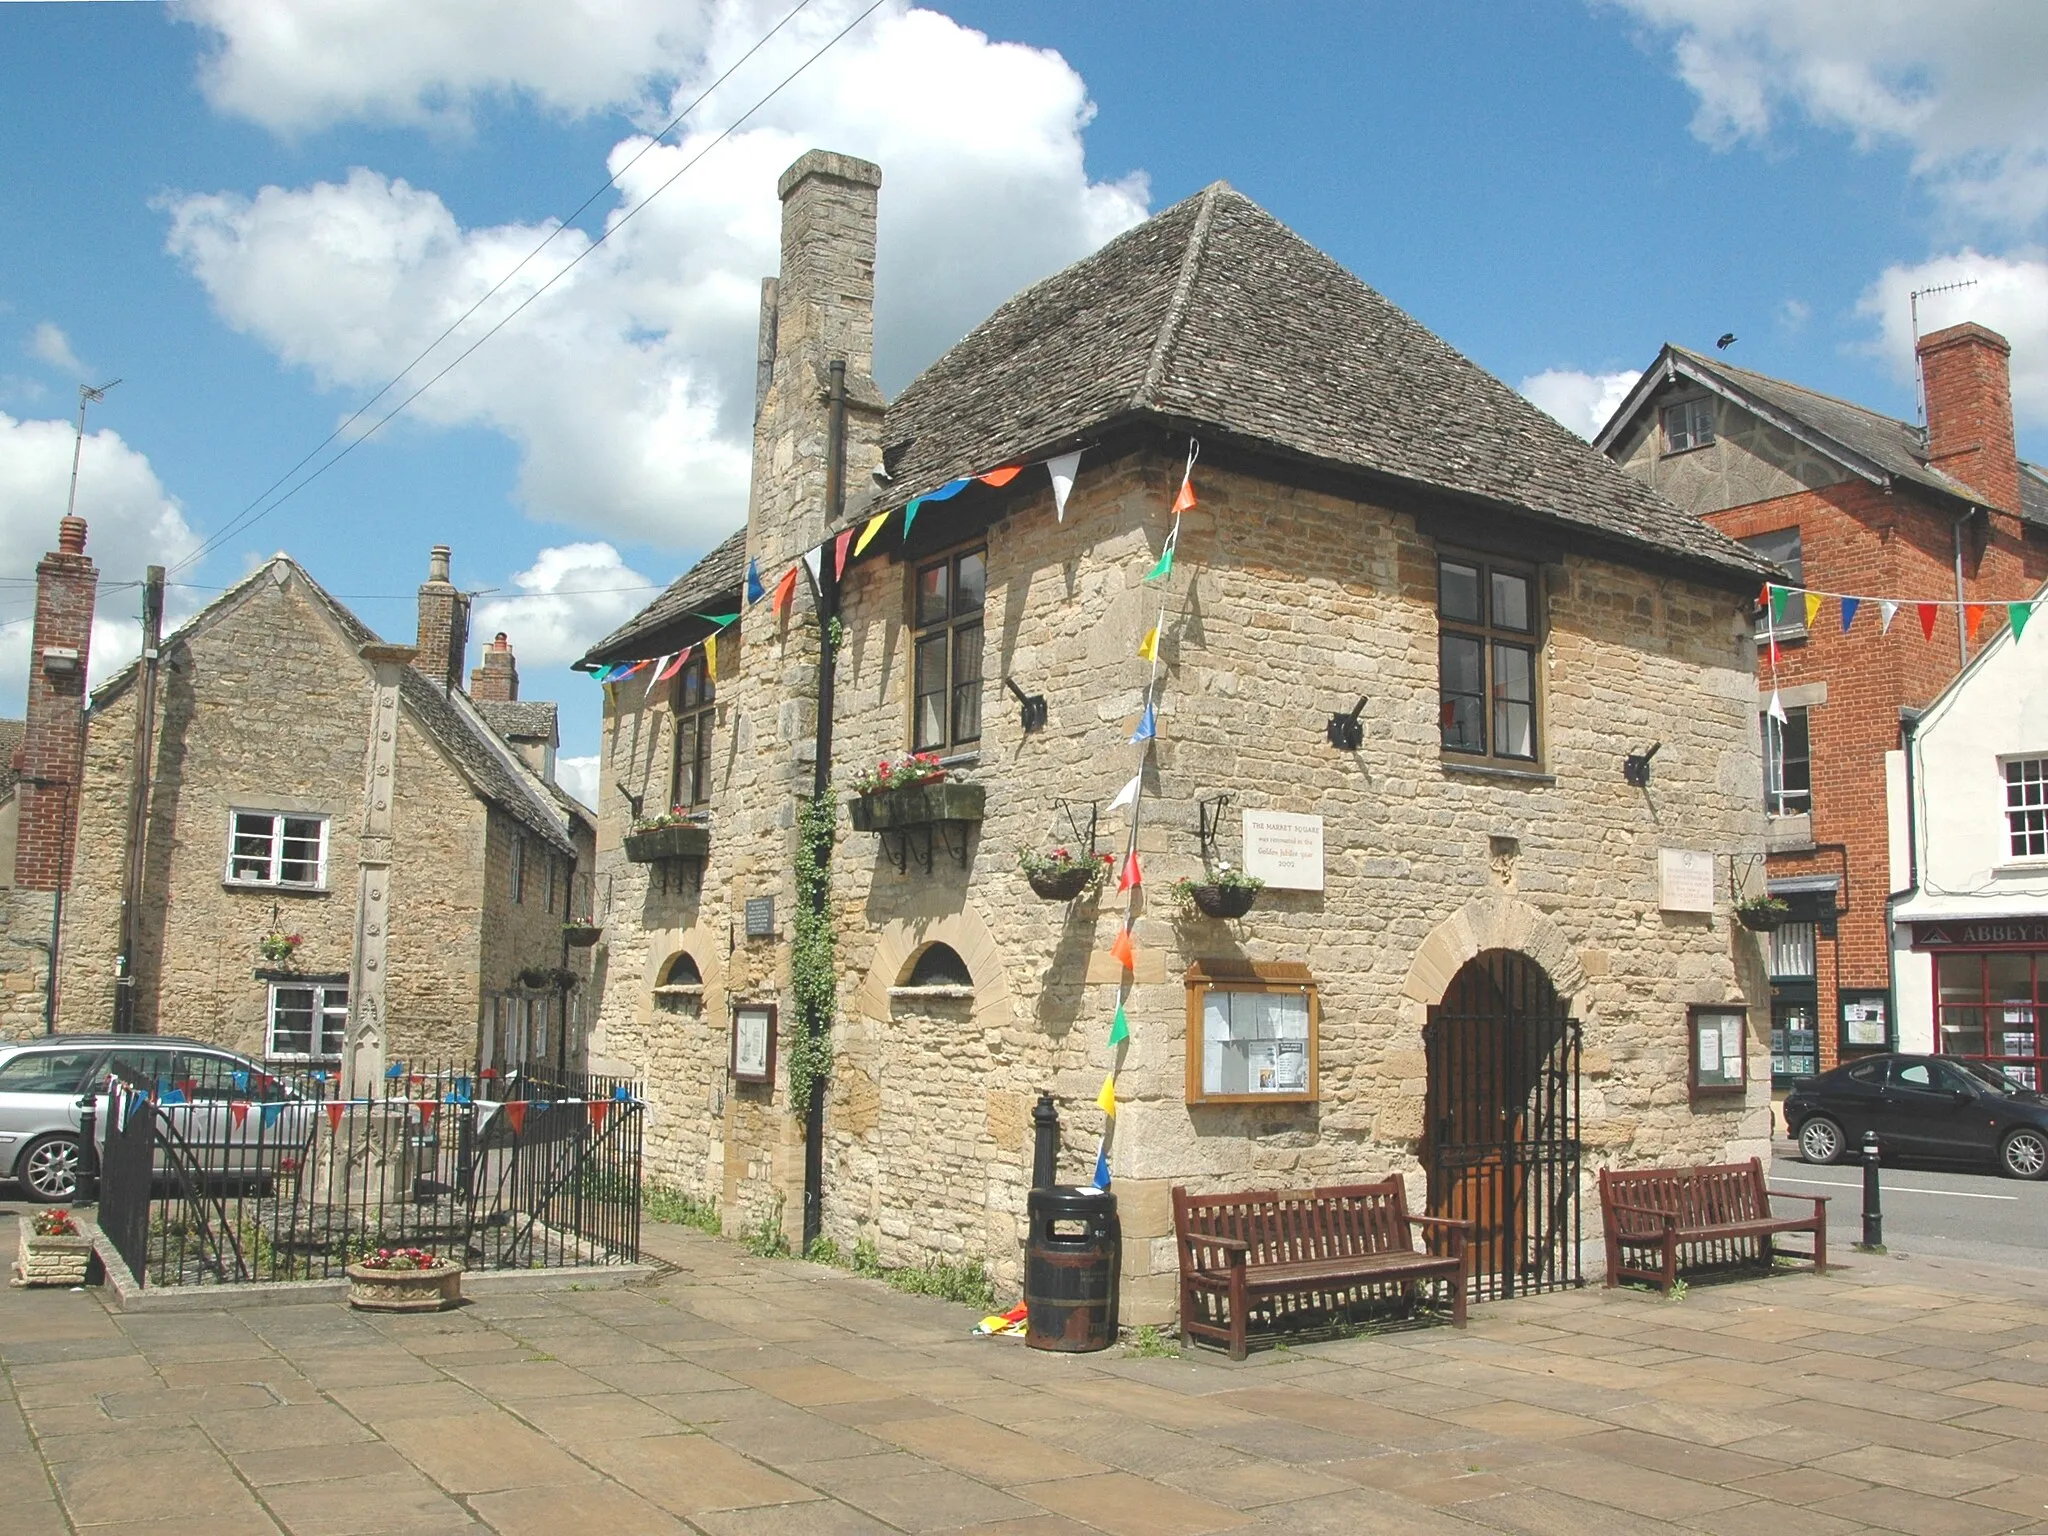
(1727, 340)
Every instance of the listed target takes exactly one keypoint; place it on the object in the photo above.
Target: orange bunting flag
(515, 1115)
(597, 1108)
(1130, 877)
(785, 589)
(1186, 498)
(1123, 951)
(239, 1113)
(426, 1107)
(334, 1114)
(1813, 602)
(1928, 612)
(1973, 619)
(1001, 476)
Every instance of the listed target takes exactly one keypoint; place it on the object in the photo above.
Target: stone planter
(1224, 900)
(651, 845)
(52, 1260)
(581, 935)
(405, 1290)
(1063, 884)
(917, 805)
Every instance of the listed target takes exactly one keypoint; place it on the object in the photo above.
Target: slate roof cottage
(1478, 949)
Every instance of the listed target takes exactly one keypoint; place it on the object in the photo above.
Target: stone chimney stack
(1967, 373)
(821, 308)
(53, 746)
(443, 643)
(497, 680)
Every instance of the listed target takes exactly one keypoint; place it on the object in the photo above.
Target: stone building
(1380, 531)
(1847, 501)
(306, 779)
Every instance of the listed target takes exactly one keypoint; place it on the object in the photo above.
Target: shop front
(1988, 982)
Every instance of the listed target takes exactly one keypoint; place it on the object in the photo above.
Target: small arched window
(682, 972)
(938, 965)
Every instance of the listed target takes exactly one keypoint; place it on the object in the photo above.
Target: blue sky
(254, 226)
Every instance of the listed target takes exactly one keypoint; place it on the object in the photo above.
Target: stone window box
(656, 845)
(678, 997)
(911, 996)
(913, 819)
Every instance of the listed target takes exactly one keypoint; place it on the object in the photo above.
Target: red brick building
(1847, 501)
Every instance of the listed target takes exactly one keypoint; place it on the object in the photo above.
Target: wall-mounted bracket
(1635, 768)
(919, 841)
(1345, 733)
(1072, 811)
(1032, 707)
(1210, 824)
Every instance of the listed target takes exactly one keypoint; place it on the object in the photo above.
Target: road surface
(1929, 1211)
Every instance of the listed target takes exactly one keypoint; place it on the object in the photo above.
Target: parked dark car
(1922, 1107)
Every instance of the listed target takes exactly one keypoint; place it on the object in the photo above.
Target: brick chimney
(53, 745)
(497, 680)
(821, 308)
(1968, 378)
(443, 643)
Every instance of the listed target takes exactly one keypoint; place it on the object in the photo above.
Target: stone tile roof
(450, 721)
(2033, 494)
(705, 586)
(1216, 316)
(12, 734)
(1898, 448)
(521, 719)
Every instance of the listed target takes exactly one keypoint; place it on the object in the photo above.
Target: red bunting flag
(1973, 619)
(784, 589)
(839, 554)
(675, 666)
(1927, 612)
(1186, 498)
(335, 1110)
(238, 1111)
(426, 1107)
(597, 1109)
(515, 1115)
(1001, 476)
(1123, 950)
(1130, 876)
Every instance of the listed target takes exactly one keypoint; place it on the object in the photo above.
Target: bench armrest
(1441, 1221)
(1786, 1194)
(1232, 1244)
(1235, 1250)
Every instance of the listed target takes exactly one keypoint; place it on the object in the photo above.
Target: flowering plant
(918, 768)
(1061, 860)
(674, 816)
(279, 948)
(401, 1258)
(1223, 879)
(55, 1223)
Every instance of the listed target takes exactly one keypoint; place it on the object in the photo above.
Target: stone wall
(24, 961)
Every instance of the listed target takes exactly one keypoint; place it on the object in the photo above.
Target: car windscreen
(1991, 1077)
(47, 1071)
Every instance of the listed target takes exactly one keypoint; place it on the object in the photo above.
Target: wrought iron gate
(1502, 1136)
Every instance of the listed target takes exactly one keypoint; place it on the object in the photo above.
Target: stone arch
(937, 964)
(902, 939)
(680, 970)
(1495, 921)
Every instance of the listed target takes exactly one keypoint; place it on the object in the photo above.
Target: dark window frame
(1695, 412)
(694, 703)
(962, 629)
(1491, 638)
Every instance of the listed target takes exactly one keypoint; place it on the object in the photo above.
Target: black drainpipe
(821, 780)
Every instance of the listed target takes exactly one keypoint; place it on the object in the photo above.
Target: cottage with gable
(1486, 943)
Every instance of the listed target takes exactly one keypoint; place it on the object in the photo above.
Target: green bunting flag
(1781, 604)
(2017, 614)
(1165, 566)
(1120, 1031)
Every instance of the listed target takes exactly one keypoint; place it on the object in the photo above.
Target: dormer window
(1688, 424)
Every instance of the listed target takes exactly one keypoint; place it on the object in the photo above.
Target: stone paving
(738, 1396)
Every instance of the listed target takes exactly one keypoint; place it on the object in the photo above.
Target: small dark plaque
(760, 917)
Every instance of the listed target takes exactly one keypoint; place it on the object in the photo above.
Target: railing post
(1873, 1202)
(88, 1150)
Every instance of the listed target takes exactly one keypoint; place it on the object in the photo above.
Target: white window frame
(330, 1020)
(272, 880)
(1778, 800)
(2029, 819)
(1693, 413)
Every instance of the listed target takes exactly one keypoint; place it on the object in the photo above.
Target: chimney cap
(71, 535)
(499, 642)
(825, 162)
(1956, 335)
(437, 563)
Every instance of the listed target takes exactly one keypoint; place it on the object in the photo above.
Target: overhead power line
(256, 511)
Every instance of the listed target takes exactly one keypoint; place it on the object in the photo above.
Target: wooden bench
(1721, 1209)
(1325, 1246)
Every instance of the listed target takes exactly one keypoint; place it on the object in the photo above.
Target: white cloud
(2010, 296)
(1582, 401)
(133, 523)
(570, 597)
(49, 343)
(578, 775)
(1963, 86)
(629, 387)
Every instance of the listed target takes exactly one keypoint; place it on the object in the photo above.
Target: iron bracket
(1210, 812)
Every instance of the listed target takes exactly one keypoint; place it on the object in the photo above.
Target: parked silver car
(42, 1081)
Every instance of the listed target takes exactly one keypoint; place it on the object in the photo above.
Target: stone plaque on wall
(760, 914)
(1685, 880)
(1284, 849)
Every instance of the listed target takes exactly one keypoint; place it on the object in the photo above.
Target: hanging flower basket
(1228, 895)
(537, 977)
(581, 935)
(280, 948)
(1762, 914)
(404, 1280)
(1062, 875)
(650, 844)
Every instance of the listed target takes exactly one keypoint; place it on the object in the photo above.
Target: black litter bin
(1070, 1269)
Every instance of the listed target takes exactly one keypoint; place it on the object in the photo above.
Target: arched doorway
(1501, 1138)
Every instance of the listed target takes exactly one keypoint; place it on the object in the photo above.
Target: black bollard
(1873, 1206)
(1045, 1155)
(88, 1191)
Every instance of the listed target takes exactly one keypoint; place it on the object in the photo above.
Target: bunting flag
(814, 561)
(271, 1115)
(716, 620)
(395, 1070)
(1106, 1099)
(1130, 878)
(334, 1113)
(910, 513)
(1102, 1163)
(755, 591)
(1813, 602)
(1164, 568)
(238, 1111)
(1147, 726)
(1928, 612)
(1148, 648)
(1849, 607)
(515, 1115)
(1887, 610)
(1781, 603)
(682, 659)
(839, 553)
(426, 1107)
(1120, 1027)
(785, 589)
(597, 1109)
(1128, 795)
(867, 534)
(241, 1080)
(1777, 708)
(2017, 614)
(1063, 469)
(170, 1095)
(1123, 950)
(1001, 477)
(660, 666)
(711, 657)
(1973, 620)
(1186, 498)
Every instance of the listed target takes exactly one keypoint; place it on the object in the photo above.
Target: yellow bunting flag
(1148, 648)
(711, 657)
(1106, 1100)
(1813, 602)
(867, 534)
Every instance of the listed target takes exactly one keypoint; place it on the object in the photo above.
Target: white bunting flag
(1777, 709)
(1887, 611)
(1063, 469)
(1128, 795)
(813, 560)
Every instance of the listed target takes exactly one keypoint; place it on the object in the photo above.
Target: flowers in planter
(903, 773)
(1225, 893)
(581, 934)
(1062, 874)
(400, 1258)
(1761, 914)
(674, 816)
(280, 948)
(55, 1222)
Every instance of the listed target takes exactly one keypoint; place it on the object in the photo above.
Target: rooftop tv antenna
(1913, 308)
(87, 395)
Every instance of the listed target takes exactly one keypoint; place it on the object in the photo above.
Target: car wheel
(2024, 1154)
(1821, 1140)
(48, 1170)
